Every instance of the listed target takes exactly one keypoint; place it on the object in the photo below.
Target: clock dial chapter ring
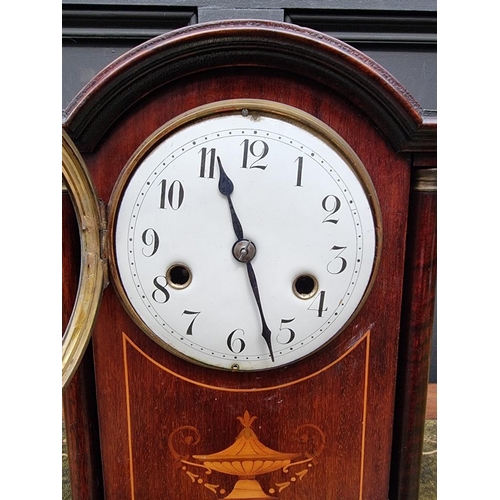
(295, 184)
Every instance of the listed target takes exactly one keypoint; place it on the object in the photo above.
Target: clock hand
(226, 187)
(245, 252)
(266, 332)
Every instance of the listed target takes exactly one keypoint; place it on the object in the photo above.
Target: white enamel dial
(219, 185)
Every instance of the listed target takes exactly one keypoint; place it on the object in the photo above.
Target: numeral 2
(331, 204)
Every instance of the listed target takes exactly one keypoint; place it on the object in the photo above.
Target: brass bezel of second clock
(91, 283)
(254, 108)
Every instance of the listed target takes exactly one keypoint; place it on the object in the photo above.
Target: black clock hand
(226, 187)
(266, 333)
(242, 253)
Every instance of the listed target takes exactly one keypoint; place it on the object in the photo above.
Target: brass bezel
(92, 269)
(255, 107)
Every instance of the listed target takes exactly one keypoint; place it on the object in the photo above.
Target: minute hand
(226, 188)
(266, 332)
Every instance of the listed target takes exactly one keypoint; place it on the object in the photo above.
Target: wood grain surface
(431, 408)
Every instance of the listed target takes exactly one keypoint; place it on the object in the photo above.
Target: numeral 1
(299, 161)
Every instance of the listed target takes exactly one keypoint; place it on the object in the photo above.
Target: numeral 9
(151, 239)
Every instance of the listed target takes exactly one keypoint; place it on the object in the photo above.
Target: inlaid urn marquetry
(246, 459)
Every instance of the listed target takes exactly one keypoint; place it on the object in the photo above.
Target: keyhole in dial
(305, 286)
(179, 276)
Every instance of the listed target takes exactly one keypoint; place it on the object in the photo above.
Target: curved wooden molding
(265, 44)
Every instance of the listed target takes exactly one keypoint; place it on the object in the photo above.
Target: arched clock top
(251, 43)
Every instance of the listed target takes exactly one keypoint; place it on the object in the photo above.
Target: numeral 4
(319, 304)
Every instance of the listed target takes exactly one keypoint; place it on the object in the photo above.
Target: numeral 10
(174, 196)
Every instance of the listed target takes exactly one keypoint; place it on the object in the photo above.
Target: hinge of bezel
(103, 236)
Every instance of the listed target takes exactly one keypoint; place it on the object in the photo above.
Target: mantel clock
(255, 241)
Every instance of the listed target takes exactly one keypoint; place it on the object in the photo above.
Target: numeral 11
(204, 153)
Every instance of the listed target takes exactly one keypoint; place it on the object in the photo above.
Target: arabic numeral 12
(257, 149)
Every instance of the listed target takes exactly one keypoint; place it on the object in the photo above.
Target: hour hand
(226, 188)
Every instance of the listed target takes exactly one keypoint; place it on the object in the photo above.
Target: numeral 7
(189, 330)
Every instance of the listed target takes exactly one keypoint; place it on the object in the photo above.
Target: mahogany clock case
(136, 432)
